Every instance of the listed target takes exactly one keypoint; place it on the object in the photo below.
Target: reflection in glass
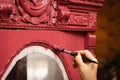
(38, 63)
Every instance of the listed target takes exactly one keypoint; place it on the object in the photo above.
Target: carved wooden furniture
(68, 23)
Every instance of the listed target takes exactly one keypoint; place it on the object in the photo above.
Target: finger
(74, 63)
(79, 60)
(87, 54)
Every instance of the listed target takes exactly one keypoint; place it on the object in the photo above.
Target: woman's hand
(88, 70)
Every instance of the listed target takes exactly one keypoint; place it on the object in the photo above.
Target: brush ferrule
(69, 52)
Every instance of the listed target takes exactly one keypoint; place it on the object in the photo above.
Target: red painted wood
(13, 40)
(77, 15)
(68, 23)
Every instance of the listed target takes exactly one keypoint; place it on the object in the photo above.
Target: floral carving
(77, 19)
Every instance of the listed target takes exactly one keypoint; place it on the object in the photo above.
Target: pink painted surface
(68, 23)
(72, 15)
(13, 40)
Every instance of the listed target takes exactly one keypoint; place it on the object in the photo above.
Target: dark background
(108, 38)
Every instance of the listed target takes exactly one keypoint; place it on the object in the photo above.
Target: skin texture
(88, 70)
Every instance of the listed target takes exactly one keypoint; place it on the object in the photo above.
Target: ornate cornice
(74, 15)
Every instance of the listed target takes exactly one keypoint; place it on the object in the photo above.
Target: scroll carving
(33, 7)
(63, 14)
(32, 11)
(5, 11)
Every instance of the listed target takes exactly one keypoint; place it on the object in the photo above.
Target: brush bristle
(58, 48)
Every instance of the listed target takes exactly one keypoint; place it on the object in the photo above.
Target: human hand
(88, 70)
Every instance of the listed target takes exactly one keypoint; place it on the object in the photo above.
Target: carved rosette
(32, 11)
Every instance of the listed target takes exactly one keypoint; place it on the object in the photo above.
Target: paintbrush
(85, 59)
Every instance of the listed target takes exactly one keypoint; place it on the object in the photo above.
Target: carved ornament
(72, 15)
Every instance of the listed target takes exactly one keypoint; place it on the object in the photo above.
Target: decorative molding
(92, 20)
(89, 2)
(5, 12)
(63, 14)
(90, 41)
(79, 19)
(72, 15)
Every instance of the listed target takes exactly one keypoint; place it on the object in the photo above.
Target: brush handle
(84, 58)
